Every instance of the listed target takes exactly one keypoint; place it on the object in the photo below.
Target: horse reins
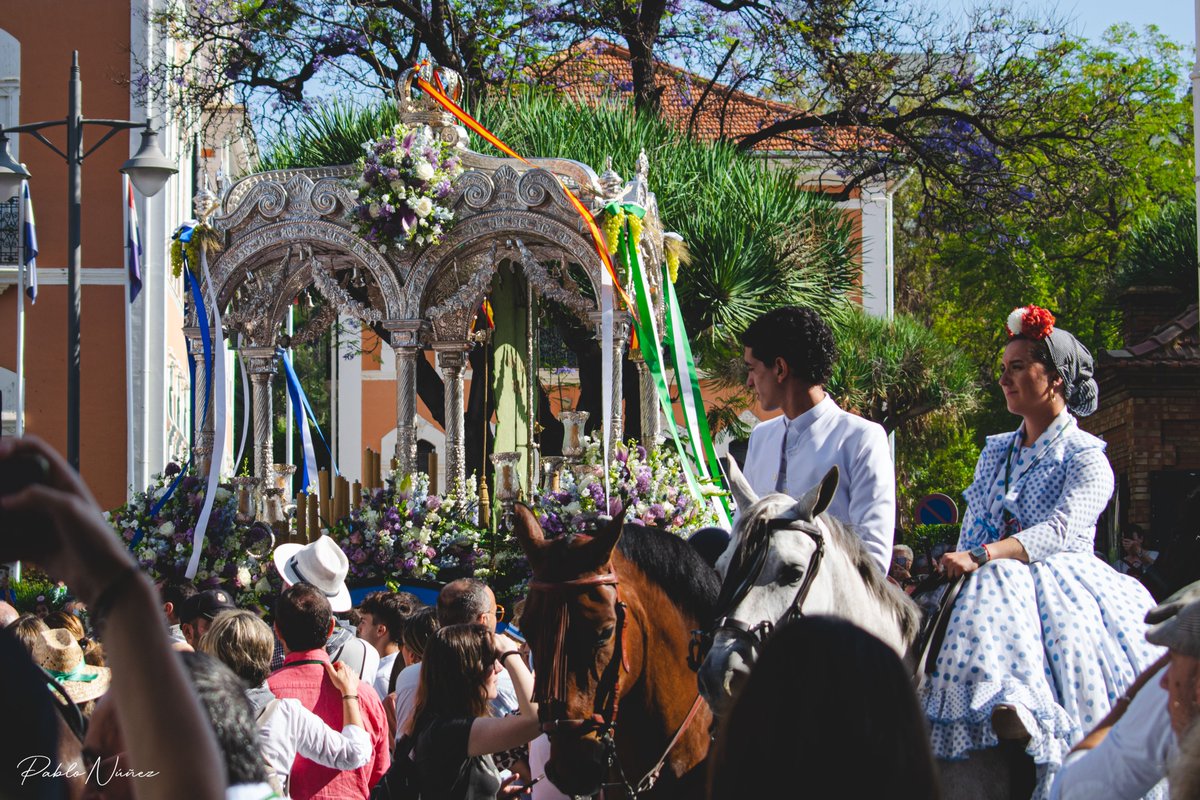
(554, 691)
(757, 635)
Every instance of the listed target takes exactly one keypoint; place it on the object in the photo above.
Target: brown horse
(608, 620)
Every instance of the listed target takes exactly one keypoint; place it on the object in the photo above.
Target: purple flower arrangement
(406, 182)
(650, 485)
(402, 531)
(235, 556)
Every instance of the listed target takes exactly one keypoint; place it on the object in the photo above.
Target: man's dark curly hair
(797, 335)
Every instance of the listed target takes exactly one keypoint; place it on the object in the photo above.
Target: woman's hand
(958, 563)
(512, 787)
(504, 644)
(342, 677)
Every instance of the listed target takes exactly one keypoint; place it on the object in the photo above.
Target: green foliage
(962, 271)
(333, 134)
(1161, 250)
(923, 538)
(895, 372)
(938, 456)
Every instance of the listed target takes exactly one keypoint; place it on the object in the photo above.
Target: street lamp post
(149, 170)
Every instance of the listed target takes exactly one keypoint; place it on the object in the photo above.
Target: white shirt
(293, 729)
(383, 673)
(1130, 760)
(406, 696)
(823, 437)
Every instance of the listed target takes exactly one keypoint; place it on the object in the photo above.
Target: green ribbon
(648, 339)
(77, 674)
(681, 354)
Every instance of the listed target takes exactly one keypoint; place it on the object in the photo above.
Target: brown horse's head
(584, 657)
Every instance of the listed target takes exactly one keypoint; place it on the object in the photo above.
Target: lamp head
(149, 168)
(11, 172)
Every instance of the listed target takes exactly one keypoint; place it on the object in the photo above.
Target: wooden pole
(324, 495)
(345, 484)
(366, 468)
(433, 472)
(335, 504)
(356, 495)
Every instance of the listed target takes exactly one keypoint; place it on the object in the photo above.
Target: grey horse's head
(762, 571)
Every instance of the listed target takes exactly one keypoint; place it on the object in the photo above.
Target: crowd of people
(174, 692)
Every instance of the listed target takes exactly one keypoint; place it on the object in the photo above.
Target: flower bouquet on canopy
(235, 556)
(402, 531)
(403, 192)
(649, 484)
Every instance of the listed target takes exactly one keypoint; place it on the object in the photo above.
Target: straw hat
(57, 652)
(321, 563)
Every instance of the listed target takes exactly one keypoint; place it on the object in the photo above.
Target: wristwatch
(980, 555)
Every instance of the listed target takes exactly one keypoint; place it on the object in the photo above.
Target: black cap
(206, 604)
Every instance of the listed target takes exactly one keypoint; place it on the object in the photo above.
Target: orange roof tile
(596, 69)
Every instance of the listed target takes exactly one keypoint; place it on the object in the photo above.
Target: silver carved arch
(285, 230)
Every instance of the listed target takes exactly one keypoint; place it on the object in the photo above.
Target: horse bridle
(605, 721)
(744, 571)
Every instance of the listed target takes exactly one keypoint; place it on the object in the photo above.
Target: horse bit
(743, 573)
(604, 722)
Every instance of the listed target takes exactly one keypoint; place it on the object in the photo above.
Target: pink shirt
(309, 684)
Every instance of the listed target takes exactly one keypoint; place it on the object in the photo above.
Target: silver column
(261, 364)
(452, 357)
(406, 341)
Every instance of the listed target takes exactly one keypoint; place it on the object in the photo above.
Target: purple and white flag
(29, 243)
(133, 241)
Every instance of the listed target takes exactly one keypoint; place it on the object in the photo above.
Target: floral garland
(646, 483)
(236, 556)
(405, 184)
(403, 531)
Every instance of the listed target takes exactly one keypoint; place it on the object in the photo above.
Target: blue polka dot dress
(1059, 638)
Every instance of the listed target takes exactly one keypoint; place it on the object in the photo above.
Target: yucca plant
(898, 371)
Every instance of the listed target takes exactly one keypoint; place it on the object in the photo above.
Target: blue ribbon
(184, 234)
(313, 416)
(300, 411)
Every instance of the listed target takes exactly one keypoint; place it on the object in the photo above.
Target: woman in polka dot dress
(1044, 636)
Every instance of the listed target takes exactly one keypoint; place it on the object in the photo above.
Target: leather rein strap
(552, 688)
(760, 633)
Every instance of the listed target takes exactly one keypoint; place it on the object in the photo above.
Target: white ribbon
(606, 369)
(220, 423)
(688, 399)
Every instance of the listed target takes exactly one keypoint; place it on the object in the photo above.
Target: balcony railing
(10, 234)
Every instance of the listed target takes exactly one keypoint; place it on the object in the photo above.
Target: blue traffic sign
(937, 509)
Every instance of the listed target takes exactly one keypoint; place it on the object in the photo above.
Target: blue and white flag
(29, 243)
(133, 241)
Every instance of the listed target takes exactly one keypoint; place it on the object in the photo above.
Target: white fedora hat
(321, 563)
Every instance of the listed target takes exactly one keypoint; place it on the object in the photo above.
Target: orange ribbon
(584, 214)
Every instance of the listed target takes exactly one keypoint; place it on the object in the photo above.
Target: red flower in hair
(1031, 321)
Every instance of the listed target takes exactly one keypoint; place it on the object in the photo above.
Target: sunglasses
(499, 612)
